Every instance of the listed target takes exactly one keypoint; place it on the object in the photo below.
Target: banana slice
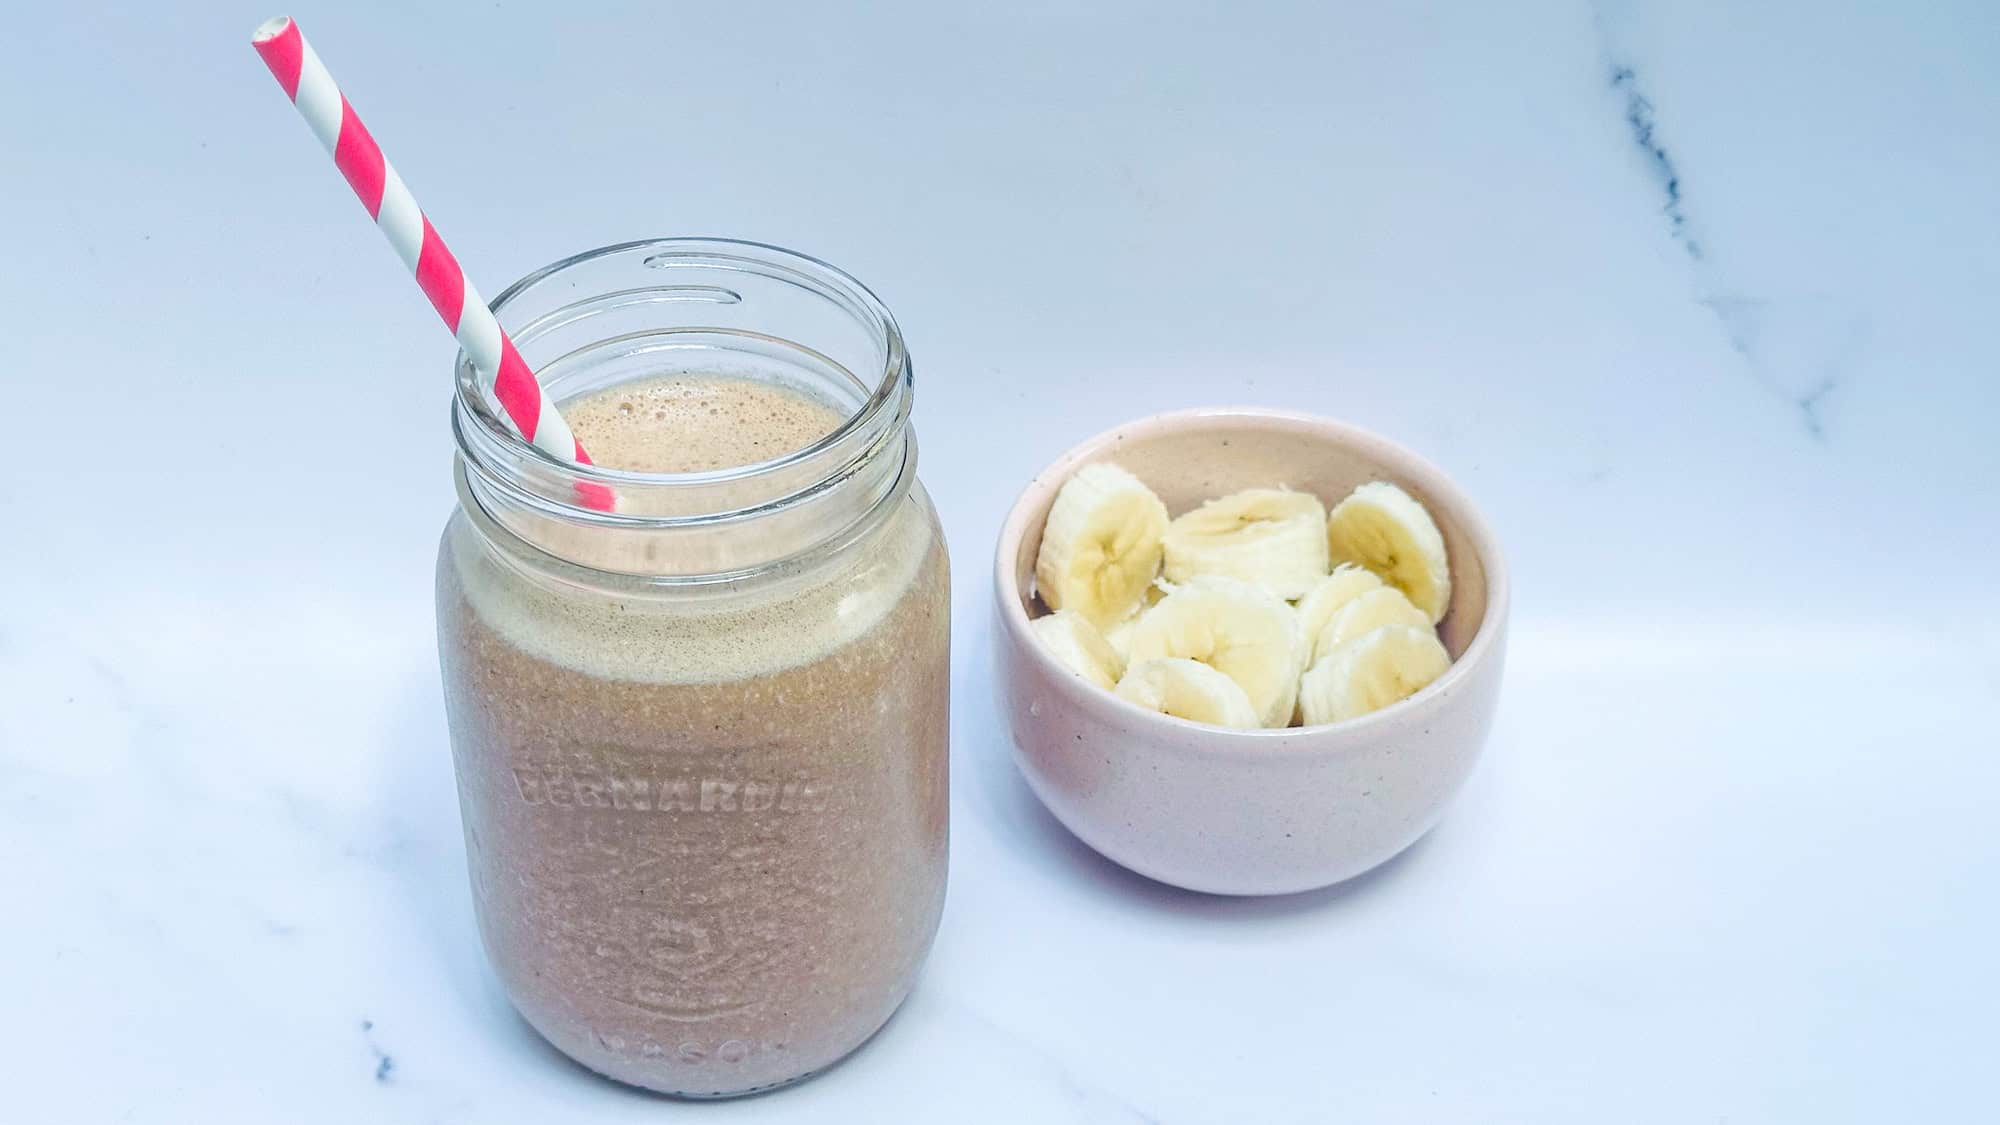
(1268, 537)
(1346, 583)
(1370, 672)
(1187, 689)
(1384, 529)
(1384, 605)
(1120, 635)
(1101, 545)
(1077, 645)
(1240, 630)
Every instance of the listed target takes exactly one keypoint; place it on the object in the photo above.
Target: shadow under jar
(700, 738)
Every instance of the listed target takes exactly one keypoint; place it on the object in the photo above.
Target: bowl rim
(1324, 740)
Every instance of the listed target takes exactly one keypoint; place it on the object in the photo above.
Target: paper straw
(403, 223)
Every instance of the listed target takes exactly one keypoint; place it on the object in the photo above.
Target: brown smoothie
(706, 829)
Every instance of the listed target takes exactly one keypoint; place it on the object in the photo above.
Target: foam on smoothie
(693, 423)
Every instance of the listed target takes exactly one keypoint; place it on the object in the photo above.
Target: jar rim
(534, 476)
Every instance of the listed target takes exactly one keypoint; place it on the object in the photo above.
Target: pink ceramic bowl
(1261, 811)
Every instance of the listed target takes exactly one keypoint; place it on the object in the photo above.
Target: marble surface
(1697, 299)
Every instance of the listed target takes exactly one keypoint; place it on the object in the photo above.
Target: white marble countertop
(1698, 301)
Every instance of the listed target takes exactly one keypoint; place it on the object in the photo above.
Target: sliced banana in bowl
(1347, 582)
(1243, 631)
(1078, 646)
(1129, 587)
(1269, 537)
(1383, 528)
(1187, 689)
(1120, 635)
(1364, 613)
(1101, 546)
(1385, 665)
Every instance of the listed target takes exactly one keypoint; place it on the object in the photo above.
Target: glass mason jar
(700, 738)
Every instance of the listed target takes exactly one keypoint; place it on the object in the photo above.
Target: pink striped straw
(306, 81)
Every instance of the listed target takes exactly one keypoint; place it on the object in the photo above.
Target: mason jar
(700, 729)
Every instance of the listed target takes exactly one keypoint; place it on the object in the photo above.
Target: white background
(1730, 856)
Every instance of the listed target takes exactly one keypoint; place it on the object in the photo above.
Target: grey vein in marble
(385, 1063)
(1747, 324)
(1800, 381)
(1639, 119)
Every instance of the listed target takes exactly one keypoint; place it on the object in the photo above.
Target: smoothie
(706, 828)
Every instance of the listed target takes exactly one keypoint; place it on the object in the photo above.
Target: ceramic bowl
(1250, 811)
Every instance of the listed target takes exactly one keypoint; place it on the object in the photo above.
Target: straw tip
(270, 29)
